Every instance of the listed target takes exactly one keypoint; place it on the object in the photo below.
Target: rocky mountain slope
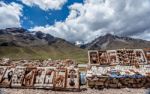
(115, 42)
(20, 43)
(21, 37)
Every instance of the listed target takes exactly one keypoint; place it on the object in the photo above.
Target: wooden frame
(7, 78)
(60, 79)
(72, 78)
(103, 58)
(29, 77)
(113, 59)
(49, 78)
(18, 76)
(126, 56)
(2, 72)
(141, 56)
(147, 54)
(39, 77)
(93, 57)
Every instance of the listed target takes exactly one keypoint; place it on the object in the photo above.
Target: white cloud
(98, 17)
(10, 15)
(45, 4)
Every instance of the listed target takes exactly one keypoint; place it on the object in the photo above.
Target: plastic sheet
(82, 78)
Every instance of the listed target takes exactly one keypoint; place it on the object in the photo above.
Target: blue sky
(78, 20)
(34, 16)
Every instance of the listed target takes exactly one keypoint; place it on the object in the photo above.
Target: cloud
(97, 17)
(45, 4)
(10, 15)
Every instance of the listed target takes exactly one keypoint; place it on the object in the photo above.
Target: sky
(78, 20)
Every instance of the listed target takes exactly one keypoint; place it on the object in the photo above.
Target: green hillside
(58, 50)
(18, 43)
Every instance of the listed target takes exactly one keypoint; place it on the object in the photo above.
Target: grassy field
(54, 51)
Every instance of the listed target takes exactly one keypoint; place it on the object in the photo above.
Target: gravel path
(89, 91)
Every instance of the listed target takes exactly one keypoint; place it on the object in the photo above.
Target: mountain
(110, 41)
(19, 43)
(22, 38)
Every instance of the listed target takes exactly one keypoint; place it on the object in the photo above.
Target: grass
(55, 51)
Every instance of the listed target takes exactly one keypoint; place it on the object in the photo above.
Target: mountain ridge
(22, 37)
(18, 43)
(110, 41)
(23, 44)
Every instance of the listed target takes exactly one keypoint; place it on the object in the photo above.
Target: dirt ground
(89, 91)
